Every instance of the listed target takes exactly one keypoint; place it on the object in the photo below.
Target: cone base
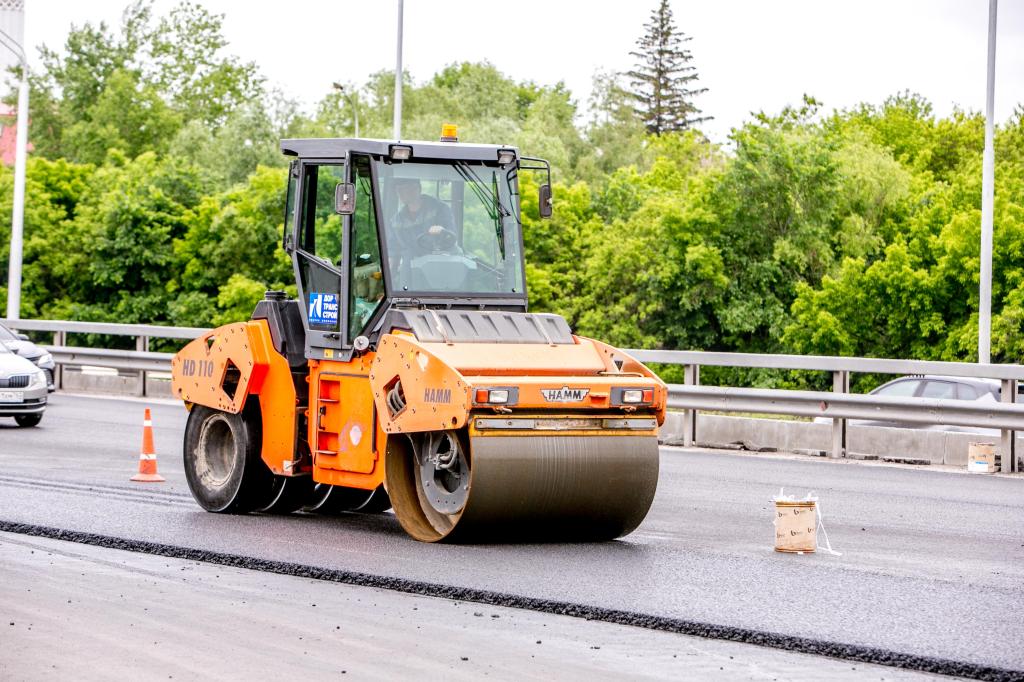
(147, 478)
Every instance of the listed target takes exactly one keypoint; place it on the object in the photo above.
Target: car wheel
(28, 419)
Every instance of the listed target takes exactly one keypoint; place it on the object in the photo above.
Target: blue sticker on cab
(323, 309)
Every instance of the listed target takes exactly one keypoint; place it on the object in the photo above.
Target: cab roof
(337, 147)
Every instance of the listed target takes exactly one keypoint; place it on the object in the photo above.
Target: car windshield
(6, 334)
(451, 228)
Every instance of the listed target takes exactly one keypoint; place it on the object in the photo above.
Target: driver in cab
(422, 222)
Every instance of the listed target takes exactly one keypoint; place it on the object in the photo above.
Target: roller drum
(537, 487)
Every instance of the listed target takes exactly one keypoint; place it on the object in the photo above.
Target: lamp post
(397, 123)
(18, 212)
(987, 192)
(352, 102)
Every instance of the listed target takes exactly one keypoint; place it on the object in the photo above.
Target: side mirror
(23, 337)
(345, 198)
(544, 204)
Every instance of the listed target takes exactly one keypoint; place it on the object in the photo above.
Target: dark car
(20, 345)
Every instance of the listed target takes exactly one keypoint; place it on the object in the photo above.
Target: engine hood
(15, 364)
(25, 349)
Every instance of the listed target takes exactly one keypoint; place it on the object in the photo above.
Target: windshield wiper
(489, 198)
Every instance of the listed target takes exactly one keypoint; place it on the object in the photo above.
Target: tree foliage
(156, 194)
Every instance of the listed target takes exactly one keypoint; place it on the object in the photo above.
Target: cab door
(318, 256)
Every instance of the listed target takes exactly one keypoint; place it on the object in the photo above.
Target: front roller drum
(500, 488)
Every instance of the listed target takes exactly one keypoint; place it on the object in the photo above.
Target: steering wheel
(437, 239)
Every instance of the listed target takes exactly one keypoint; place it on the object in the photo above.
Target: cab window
(366, 282)
(320, 233)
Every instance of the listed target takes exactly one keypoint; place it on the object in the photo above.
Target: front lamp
(38, 379)
(400, 152)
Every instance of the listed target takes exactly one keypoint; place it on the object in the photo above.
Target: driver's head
(408, 189)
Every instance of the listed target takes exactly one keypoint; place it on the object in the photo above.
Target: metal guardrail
(946, 412)
(140, 361)
(831, 363)
(155, 331)
(839, 404)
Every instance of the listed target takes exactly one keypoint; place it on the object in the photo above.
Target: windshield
(7, 335)
(451, 227)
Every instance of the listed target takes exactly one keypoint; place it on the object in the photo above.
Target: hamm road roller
(408, 373)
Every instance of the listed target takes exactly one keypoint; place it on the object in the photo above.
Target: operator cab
(377, 225)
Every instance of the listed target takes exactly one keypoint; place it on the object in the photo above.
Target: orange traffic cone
(147, 458)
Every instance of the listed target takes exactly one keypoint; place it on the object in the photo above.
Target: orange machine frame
(348, 419)
(200, 370)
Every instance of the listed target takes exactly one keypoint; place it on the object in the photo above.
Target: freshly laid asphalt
(73, 611)
(931, 561)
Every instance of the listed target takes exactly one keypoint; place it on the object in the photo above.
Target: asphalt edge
(849, 652)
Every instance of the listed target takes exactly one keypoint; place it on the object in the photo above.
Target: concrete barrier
(931, 446)
(112, 382)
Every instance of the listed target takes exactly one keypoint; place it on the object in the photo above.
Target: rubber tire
(27, 420)
(249, 483)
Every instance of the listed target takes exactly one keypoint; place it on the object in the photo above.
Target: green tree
(653, 280)
(236, 232)
(133, 89)
(184, 57)
(663, 77)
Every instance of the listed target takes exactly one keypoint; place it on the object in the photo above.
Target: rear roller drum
(289, 493)
(336, 499)
(222, 460)
(502, 487)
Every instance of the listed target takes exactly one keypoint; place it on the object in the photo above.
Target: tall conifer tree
(663, 79)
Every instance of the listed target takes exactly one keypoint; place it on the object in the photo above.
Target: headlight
(44, 359)
(632, 396)
(38, 379)
(505, 395)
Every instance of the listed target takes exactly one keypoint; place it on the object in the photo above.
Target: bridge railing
(839, 405)
(141, 361)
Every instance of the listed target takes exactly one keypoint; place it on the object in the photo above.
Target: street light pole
(987, 192)
(18, 213)
(397, 132)
(352, 102)
(18, 210)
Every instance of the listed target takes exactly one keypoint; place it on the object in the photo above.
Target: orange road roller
(408, 374)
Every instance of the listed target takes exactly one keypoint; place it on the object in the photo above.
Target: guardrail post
(1008, 438)
(141, 345)
(59, 340)
(691, 377)
(840, 384)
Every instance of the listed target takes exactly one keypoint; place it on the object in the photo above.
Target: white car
(932, 386)
(22, 389)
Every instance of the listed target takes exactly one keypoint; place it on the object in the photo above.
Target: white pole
(397, 132)
(18, 213)
(355, 112)
(987, 192)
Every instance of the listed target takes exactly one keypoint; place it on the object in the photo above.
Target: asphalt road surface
(931, 560)
(72, 611)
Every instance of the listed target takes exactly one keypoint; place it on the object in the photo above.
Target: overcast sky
(751, 54)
